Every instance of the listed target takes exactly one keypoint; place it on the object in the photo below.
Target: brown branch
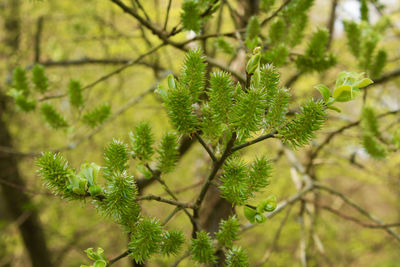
(351, 218)
(164, 37)
(333, 134)
(168, 201)
(122, 255)
(38, 37)
(201, 141)
(167, 15)
(259, 139)
(216, 166)
(276, 13)
(267, 254)
(111, 74)
(331, 22)
(282, 205)
(358, 208)
(387, 76)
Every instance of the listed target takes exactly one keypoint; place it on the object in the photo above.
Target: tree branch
(168, 201)
(201, 141)
(259, 139)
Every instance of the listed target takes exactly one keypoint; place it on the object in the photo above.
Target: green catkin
(247, 114)
(236, 257)
(353, 34)
(20, 81)
(202, 249)
(39, 79)
(190, 16)
(145, 240)
(364, 11)
(75, 94)
(379, 63)
(168, 153)
(260, 172)
(115, 158)
(220, 95)
(172, 242)
(54, 171)
(142, 141)
(97, 116)
(300, 130)
(193, 74)
(373, 147)
(228, 231)
(235, 185)
(315, 57)
(120, 198)
(253, 28)
(52, 117)
(369, 122)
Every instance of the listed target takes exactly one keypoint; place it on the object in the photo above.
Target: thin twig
(167, 15)
(351, 218)
(267, 254)
(276, 13)
(358, 208)
(172, 214)
(109, 75)
(201, 141)
(122, 255)
(259, 139)
(168, 201)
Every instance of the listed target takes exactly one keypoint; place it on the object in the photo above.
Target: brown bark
(14, 197)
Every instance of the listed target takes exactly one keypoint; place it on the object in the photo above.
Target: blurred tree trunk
(16, 200)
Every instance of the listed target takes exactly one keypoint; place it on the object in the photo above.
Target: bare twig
(358, 208)
(168, 201)
(351, 218)
(109, 75)
(259, 139)
(267, 254)
(201, 141)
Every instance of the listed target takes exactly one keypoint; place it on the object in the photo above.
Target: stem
(168, 201)
(259, 139)
(212, 156)
(114, 260)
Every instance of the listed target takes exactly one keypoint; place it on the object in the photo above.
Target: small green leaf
(250, 214)
(100, 263)
(161, 91)
(253, 63)
(89, 172)
(325, 92)
(171, 82)
(363, 83)
(271, 203)
(94, 190)
(259, 218)
(343, 93)
(334, 108)
(91, 254)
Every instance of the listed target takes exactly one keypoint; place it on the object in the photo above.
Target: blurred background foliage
(91, 29)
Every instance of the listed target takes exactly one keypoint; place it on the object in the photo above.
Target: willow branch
(358, 208)
(351, 218)
(111, 74)
(168, 201)
(201, 141)
(254, 141)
